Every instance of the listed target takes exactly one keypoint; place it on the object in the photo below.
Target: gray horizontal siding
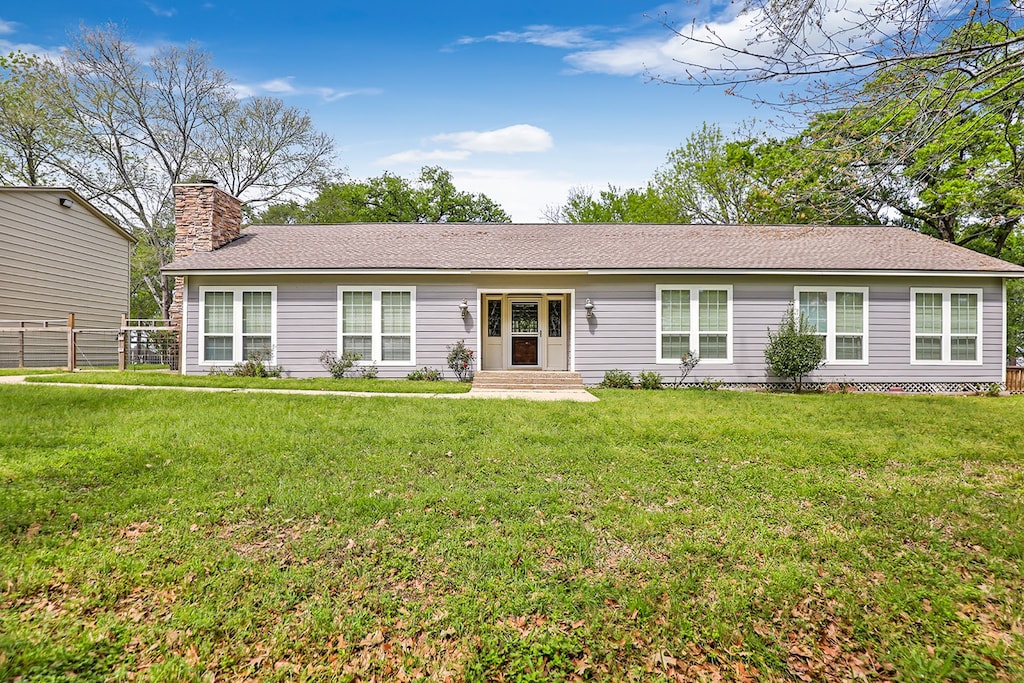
(307, 315)
(622, 332)
(55, 261)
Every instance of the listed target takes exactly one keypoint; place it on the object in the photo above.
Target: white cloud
(6, 27)
(548, 36)
(653, 48)
(459, 146)
(419, 156)
(509, 140)
(284, 87)
(278, 86)
(667, 54)
(167, 13)
(332, 95)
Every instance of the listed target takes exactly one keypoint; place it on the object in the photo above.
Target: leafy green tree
(708, 179)
(794, 350)
(389, 198)
(616, 205)
(713, 178)
(440, 201)
(741, 180)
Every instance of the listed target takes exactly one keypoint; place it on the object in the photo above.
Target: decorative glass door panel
(525, 329)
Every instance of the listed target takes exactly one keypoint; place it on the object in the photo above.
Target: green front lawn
(166, 379)
(684, 535)
(30, 371)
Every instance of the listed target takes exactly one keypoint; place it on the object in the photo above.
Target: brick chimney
(205, 218)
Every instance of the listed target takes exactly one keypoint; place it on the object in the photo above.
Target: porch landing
(532, 385)
(519, 380)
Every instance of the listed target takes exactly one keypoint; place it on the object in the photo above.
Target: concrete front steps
(526, 380)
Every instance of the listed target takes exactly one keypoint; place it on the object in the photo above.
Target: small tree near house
(794, 350)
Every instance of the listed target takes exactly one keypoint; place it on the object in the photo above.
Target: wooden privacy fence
(38, 343)
(1015, 380)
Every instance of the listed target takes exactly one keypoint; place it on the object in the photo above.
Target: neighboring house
(60, 255)
(894, 307)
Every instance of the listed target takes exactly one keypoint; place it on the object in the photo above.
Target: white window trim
(947, 324)
(830, 321)
(695, 331)
(236, 323)
(375, 332)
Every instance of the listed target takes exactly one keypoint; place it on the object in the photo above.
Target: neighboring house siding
(622, 332)
(55, 261)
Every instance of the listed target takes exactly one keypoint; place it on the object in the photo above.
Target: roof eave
(847, 272)
(598, 271)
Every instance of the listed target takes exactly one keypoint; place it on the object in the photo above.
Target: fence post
(72, 351)
(122, 363)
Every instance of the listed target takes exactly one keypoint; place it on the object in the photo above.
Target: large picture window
(237, 323)
(378, 324)
(946, 326)
(839, 315)
(695, 319)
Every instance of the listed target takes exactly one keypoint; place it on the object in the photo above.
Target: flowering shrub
(460, 360)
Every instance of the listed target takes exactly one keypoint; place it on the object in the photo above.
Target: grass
(317, 384)
(30, 371)
(651, 536)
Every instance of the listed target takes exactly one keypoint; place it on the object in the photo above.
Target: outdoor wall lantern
(464, 308)
(589, 306)
(66, 203)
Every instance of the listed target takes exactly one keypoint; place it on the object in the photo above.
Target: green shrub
(425, 374)
(253, 366)
(794, 350)
(339, 366)
(460, 360)
(617, 379)
(368, 371)
(649, 379)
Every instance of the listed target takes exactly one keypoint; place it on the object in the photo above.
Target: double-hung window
(237, 323)
(945, 326)
(694, 319)
(378, 323)
(839, 315)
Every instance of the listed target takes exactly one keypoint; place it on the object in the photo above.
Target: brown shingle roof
(434, 246)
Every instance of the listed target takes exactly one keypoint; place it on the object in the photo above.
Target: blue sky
(520, 100)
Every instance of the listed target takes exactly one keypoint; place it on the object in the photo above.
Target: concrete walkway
(577, 395)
